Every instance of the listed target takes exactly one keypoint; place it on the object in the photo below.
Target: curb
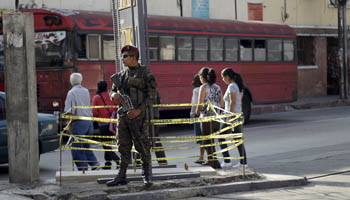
(260, 109)
(271, 181)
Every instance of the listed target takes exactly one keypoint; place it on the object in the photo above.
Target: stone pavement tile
(4, 196)
(327, 188)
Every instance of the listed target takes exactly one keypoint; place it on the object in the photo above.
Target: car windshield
(50, 48)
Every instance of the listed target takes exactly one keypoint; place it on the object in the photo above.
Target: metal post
(133, 24)
(141, 30)
(340, 50)
(342, 41)
(181, 9)
(235, 9)
(116, 33)
(345, 54)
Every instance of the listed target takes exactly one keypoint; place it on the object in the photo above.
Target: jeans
(241, 148)
(83, 127)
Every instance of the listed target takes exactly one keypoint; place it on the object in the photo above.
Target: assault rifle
(123, 109)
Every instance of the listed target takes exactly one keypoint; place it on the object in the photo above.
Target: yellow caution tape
(231, 119)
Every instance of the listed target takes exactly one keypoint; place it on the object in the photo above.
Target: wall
(313, 82)
(302, 12)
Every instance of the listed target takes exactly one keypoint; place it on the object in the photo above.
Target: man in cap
(134, 89)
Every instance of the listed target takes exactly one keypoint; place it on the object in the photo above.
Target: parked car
(47, 130)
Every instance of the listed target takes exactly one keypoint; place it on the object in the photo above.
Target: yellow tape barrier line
(86, 107)
(193, 147)
(178, 105)
(79, 139)
(190, 120)
(97, 136)
(201, 138)
(97, 119)
(229, 147)
(91, 149)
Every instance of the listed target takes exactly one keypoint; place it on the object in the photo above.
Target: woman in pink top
(101, 99)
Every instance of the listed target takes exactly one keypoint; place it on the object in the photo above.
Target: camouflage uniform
(139, 84)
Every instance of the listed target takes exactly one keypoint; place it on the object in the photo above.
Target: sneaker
(223, 164)
(239, 165)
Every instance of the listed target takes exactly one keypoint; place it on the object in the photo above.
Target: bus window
(274, 48)
(288, 50)
(167, 47)
(81, 46)
(184, 48)
(94, 46)
(216, 49)
(108, 47)
(246, 50)
(259, 50)
(153, 48)
(2, 56)
(200, 49)
(231, 49)
(50, 48)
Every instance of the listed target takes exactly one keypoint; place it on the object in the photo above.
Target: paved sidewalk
(326, 188)
(49, 190)
(306, 103)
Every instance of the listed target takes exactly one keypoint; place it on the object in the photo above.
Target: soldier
(134, 89)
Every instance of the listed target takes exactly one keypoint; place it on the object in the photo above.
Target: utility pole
(342, 53)
(21, 99)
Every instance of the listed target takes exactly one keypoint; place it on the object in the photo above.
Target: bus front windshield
(50, 48)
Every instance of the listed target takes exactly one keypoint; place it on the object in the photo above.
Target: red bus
(264, 54)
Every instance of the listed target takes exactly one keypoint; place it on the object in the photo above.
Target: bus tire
(246, 106)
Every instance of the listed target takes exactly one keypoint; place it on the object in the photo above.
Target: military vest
(134, 82)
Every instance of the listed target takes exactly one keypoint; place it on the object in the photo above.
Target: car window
(2, 109)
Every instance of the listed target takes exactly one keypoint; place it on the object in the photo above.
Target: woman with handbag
(102, 99)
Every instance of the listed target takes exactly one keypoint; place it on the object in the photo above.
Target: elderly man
(80, 96)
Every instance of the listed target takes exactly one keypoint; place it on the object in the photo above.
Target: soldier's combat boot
(120, 179)
(147, 175)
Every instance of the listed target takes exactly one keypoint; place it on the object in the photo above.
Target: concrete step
(79, 176)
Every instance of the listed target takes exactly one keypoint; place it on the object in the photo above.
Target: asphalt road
(304, 143)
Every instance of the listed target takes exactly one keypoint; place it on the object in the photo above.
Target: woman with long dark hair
(209, 92)
(233, 104)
